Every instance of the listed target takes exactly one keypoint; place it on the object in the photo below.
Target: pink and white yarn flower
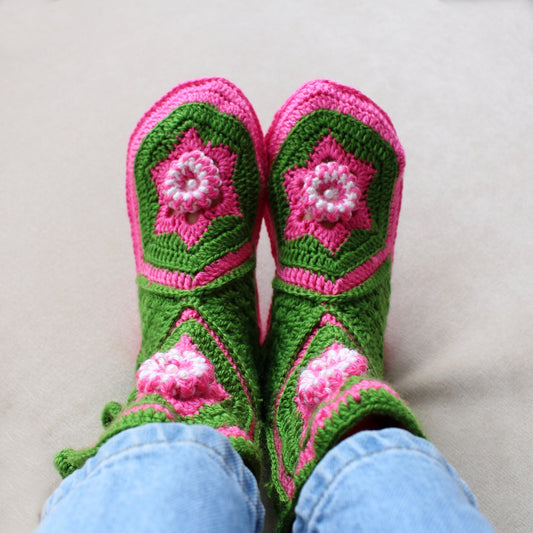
(183, 376)
(330, 192)
(192, 182)
(326, 374)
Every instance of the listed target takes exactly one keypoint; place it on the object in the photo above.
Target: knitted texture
(334, 195)
(194, 182)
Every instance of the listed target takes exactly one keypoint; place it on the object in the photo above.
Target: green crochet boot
(194, 180)
(334, 194)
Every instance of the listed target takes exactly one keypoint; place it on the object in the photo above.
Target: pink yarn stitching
(184, 281)
(286, 481)
(326, 94)
(234, 431)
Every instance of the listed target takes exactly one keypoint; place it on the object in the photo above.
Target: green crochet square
(365, 144)
(224, 234)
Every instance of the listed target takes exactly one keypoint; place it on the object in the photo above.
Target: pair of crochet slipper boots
(327, 179)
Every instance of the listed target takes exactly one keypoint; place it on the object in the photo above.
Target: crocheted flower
(195, 179)
(330, 192)
(192, 182)
(183, 376)
(327, 197)
(326, 374)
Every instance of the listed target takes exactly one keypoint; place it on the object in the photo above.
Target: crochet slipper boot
(195, 175)
(334, 194)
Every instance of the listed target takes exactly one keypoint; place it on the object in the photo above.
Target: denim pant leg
(387, 480)
(158, 477)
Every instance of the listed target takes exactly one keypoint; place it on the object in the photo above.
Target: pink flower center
(181, 373)
(330, 192)
(325, 375)
(192, 182)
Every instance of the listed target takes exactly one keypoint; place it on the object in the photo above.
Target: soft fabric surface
(455, 76)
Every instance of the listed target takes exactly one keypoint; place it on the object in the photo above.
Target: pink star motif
(192, 183)
(327, 198)
(195, 186)
(330, 192)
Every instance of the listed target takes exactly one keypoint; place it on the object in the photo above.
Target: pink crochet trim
(217, 163)
(234, 431)
(225, 97)
(183, 376)
(308, 454)
(183, 281)
(332, 188)
(155, 406)
(326, 94)
(286, 481)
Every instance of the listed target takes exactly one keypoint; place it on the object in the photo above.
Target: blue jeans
(176, 477)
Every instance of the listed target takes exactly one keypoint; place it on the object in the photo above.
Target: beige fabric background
(456, 78)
